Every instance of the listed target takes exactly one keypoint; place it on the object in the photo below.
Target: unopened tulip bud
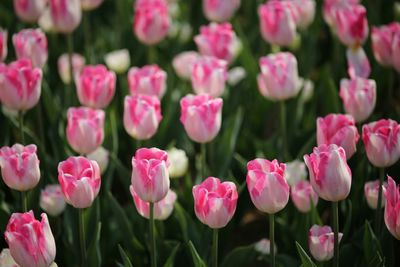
(52, 200)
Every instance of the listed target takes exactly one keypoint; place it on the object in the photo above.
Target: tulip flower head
(162, 209)
(392, 211)
(321, 242)
(31, 44)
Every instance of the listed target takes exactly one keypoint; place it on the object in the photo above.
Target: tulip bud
(20, 85)
(382, 42)
(31, 44)
(267, 186)
(20, 166)
(236, 75)
(148, 80)
(100, 155)
(303, 196)
(279, 77)
(142, 115)
(46, 22)
(215, 202)
(308, 90)
(179, 162)
(80, 181)
(6, 260)
(295, 171)
(359, 97)
(65, 14)
(201, 116)
(88, 5)
(358, 63)
(29, 10)
(85, 129)
(95, 86)
(220, 10)
(321, 242)
(382, 142)
(338, 129)
(162, 208)
(264, 246)
(31, 241)
(118, 60)
(209, 75)
(392, 212)
(150, 178)
(3, 44)
(305, 12)
(183, 64)
(52, 200)
(78, 62)
(330, 175)
(396, 51)
(151, 21)
(371, 191)
(330, 7)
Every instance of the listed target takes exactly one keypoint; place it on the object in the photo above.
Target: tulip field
(199, 133)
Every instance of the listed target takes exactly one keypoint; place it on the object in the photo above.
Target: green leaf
(94, 253)
(305, 259)
(371, 247)
(197, 261)
(125, 258)
(240, 256)
(171, 259)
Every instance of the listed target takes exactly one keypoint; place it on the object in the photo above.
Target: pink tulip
(218, 40)
(183, 64)
(279, 77)
(201, 116)
(95, 86)
(371, 191)
(148, 80)
(331, 5)
(330, 175)
(31, 241)
(220, 10)
(20, 85)
(396, 51)
(151, 21)
(351, 25)
(277, 23)
(382, 142)
(88, 5)
(52, 200)
(29, 10)
(358, 63)
(3, 44)
(321, 242)
(303, 196)
(305, 12)
(392, 208)
(85, 129)
(338, 129)
(267, 185)
(209, 75)
(66, 15)
(215, 202)
(78, 62)
(31, 44)
(142, 115)
(359, 97)
(80, 181)
(162, 208)
(20, 166)
(150, 178)
(383, 42)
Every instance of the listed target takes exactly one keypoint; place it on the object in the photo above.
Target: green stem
(24, 200)
(152, 237)
(152, 54)
(215, 248)
(82, 237)
(203, 161)
(335, 211)
(272, 238)
(21, 126)
(282, 113)
(86, 29)
(67, 97)
(139, 144)
(379, 206)
(275, 48)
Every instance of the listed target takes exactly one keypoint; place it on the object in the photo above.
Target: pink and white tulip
(29, 10)
(220, 10)
(330, 175)
(303, 196)
(95, 86)
(78, 62)
(148, 80)
(321, 242)
(359, 97)
(209, 76)
(80, 181)
(357, 63)
(151, 21)
(162, 208)
(20, 85)
(371, 191)
(396, 51)
(215, 202)
(31, 241)
(150, 177)
(267, 185)
(118, 60)
(66, 15)
(382, 142)
(88, 5)
(392, 208)
(142, 115)
(330, 7)
(3, 44)
(20, 166)
(201, 116)
(277, 23)
(383, 43)
(183, 64)
(85, 129)
(338, 129)
(31, 44)
(304, 12)
(101, 156)
(295, 171)
(279, 77)
(218, 40)
(52, 200)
